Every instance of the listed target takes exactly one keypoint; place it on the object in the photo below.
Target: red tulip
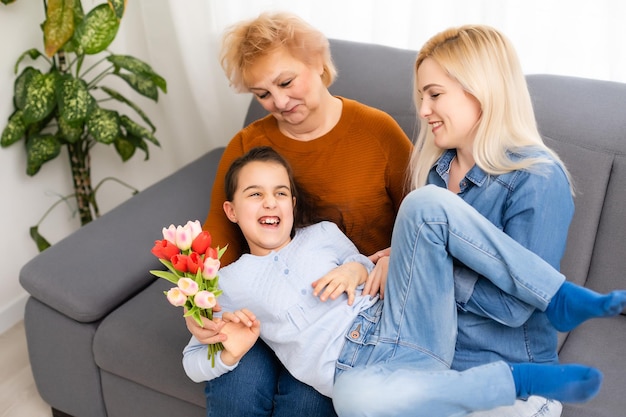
(164, 249)
(210, 253)
(201, 242)
(194, 262)
(179, 262)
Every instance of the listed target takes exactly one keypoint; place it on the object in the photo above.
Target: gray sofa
(103, 341)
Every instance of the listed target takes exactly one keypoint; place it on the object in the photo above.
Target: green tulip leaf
(40, 97)
(97, 30)
(137, 130)
(104, 125)
(117, 96)
(143, 84)
(14, 130)
(21, 85)
(125, 148)
(73, 98)
(59, 25)
(39, 150)
(40, 241)
(72, 132)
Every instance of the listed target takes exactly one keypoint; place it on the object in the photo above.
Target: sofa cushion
(143, 340)
(598, 343)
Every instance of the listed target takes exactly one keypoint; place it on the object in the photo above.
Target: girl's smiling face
(263, 206)
(452, 113)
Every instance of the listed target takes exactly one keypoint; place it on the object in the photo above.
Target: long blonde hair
(244, 42)
(485, 63)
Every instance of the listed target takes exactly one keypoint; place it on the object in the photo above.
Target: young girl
(320, 328)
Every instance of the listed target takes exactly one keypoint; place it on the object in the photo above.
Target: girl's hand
(344, 278)
(243, 330)
(209, 332)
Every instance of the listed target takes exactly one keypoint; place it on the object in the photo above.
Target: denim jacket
(534, 207)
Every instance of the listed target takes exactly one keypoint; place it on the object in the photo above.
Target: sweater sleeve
(197, 366)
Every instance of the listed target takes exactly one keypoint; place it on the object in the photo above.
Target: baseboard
(13, 313)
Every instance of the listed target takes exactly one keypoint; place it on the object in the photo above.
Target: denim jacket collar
(475, 175)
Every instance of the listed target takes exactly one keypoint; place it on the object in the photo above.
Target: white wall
(25, 199)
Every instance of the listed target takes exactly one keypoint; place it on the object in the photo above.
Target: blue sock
(566, 383)
(573, 304)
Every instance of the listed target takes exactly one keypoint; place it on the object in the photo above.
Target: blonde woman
(479, 139)
(481, 175)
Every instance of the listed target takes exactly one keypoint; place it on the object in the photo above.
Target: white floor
(18, 395)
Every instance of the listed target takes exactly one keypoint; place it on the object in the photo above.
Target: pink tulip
(211, 266)
(176, 297)
(187, 286)
(169, 234)
(183, 237)
(205, 299)
(195, 227)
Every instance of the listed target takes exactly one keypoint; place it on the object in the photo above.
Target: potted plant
(64, 105)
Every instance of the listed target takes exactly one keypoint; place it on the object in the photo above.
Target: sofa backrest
(583, 120)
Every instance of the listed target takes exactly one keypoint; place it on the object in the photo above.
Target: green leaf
(125, 148)
(130, 64)
(40, 241)
(59, 25)
(139, 68)
(167, 275)
(118, 6)
(143, 84)
(33, 53)
(40, 97)
(138, 130)
(39, 150)
(20, 86)
(117, 96)
(73, 98)
(71, 132)
(14, 130)
(97, 30)
(104, 125)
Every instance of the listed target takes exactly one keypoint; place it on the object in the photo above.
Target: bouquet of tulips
(192, 265)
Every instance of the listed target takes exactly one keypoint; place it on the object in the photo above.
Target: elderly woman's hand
(376, 279)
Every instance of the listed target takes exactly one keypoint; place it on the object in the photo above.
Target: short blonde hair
(486, 65)
(245, 42)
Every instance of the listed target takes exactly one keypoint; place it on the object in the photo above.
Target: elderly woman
(352, 157)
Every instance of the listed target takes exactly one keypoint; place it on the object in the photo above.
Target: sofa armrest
(101, 265)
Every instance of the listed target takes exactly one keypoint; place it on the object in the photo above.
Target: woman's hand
(344, 278)
(376, 279)
(242, 330)
(209, 332)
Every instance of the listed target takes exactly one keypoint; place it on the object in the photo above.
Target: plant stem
(81, 177)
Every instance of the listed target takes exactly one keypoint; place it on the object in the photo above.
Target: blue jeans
(398, 354)
(261, 386)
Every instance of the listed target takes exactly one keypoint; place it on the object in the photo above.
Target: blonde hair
(245, 42)
(485, 63)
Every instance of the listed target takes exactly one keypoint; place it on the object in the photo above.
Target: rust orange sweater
(359, 167)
